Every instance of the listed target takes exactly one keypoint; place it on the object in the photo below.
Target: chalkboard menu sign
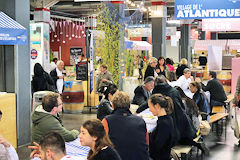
(82, 71)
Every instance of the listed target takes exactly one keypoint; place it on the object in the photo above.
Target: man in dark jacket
(217, 93)
(57, 76)
(143, 92)
(126, 131)
(45, 118)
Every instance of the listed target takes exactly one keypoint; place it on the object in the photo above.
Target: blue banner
(91, 62)
(201, 9)
(11, 36)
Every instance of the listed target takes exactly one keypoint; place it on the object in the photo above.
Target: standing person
(104, 79)
(181, 67)
(41, 79)
(161, 139)
(140, 66)
(127, 131)
(217, 93)
(57, 76)
(51, 146)
(150, 71)
(236, 100)
(169, 64)
(200, 99)
(93, 135)
(53, 64)
(161, 68)
(105, 106)
(143, 92)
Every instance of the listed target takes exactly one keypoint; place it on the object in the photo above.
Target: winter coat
(104, 109)
(128, 134)
(44, 122)
(149, 72)
(41, 79)
(179, 70)
(140, 95)
(201, 101)
(183, 125)
(216, 90)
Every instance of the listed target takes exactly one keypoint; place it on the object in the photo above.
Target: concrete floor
(219, 148)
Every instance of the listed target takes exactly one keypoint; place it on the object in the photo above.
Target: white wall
(172, 51)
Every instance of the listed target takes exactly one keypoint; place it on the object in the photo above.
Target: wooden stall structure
(8, 126)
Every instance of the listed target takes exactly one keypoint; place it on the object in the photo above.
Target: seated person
(45, 119)
(127, 132)
(161, 139)
(94, 136)
(7, 152)
(105, 107)
(52, 146)
(190, 107)
(217, 93)
(200, 99)
(184, 80)
(143, 92)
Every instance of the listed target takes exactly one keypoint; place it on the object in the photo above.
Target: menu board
(82, 71)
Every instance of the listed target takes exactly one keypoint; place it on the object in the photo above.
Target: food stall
(11, 33)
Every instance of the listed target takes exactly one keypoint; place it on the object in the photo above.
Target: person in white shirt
(184, 80)
(53, 64)
(51, 147)
(57, 76)
(7, 152)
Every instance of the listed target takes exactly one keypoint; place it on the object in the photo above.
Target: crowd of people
(117, 133)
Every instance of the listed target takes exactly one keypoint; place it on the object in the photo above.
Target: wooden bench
(183, 151)
(218, 109)
(217, 117)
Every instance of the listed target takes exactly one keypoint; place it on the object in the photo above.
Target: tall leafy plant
(109, 44)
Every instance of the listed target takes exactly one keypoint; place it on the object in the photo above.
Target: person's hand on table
(198, 80)
(60, 77)
(4, 142)
(36, 150)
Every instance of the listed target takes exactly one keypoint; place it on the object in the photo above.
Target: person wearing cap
(143, 92)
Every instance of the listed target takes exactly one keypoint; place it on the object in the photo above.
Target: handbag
(205, 128)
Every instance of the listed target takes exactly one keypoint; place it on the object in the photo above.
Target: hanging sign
(200, 9)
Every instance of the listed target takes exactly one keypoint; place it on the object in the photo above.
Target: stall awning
(142, 45)
(11, 32)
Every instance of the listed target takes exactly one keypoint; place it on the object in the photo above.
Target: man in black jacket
(57, 76)
(143, 92)
(217, 93)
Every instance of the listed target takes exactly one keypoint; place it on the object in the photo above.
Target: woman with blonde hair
(150, 71)
(181, 67)
(94, 136)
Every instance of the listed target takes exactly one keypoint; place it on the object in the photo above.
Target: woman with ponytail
(161, 139)
(94, 136)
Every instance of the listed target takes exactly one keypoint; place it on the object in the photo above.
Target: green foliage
(108, 46)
